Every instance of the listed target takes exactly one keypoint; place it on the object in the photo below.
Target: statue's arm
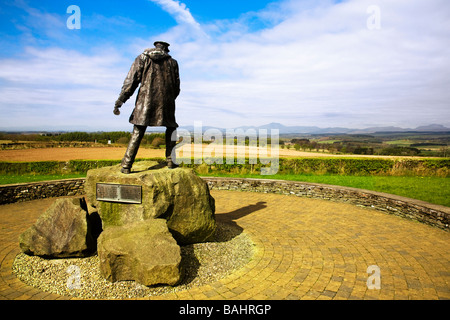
(176, 76)
(132, 80)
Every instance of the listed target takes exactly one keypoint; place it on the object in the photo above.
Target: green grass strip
(14, 179)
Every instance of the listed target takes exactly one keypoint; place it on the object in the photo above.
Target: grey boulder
(144, 251)
(62, 231)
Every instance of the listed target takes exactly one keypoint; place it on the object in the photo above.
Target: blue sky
(297, 62)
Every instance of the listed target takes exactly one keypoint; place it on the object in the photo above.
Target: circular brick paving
(305, 249)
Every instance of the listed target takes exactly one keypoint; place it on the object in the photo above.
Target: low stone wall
(40, 190)
(434, 215)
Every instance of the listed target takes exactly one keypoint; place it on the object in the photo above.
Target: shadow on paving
(229, 229)
(231, 217)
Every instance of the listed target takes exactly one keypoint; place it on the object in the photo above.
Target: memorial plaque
(119, 193)
(130, 194)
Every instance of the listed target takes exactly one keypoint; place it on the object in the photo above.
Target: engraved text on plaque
(119, 193)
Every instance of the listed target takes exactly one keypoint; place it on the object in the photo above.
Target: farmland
(117, 152)
(424, 178)
(429, 144)
(66, 154)
(424, 144)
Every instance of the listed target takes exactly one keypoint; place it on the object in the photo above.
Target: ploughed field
(116, 153)
(66, 154)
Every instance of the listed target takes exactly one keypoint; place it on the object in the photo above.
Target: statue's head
(162, 45)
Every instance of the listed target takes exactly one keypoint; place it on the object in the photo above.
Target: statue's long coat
(157, 74)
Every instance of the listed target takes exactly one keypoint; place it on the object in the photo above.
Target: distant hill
(339, 130)
(274, 125)
(432, 127)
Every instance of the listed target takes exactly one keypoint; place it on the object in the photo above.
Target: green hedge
(57, 167)
(344, 166)
(39, 167)
(82, 166)
(437, 163)
(335, 165)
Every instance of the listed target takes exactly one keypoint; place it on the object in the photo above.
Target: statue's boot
(133, 148)
(170, 145)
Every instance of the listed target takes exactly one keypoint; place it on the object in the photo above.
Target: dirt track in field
(116, 153)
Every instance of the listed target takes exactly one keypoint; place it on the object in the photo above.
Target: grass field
(13, 179)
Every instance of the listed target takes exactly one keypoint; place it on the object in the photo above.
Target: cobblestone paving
(305, 250)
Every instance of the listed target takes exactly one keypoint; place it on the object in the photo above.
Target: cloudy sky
(351, 63)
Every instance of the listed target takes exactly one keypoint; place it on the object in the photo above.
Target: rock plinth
(137, 223)
(62, 231)
(179, 196)
(143, 251)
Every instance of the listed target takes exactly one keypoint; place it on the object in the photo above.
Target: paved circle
(305, 249)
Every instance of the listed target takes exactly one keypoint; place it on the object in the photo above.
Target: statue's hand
(117, 106)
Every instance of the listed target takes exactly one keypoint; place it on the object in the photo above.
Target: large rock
(62, 231)
(144, 252)
(178, 195)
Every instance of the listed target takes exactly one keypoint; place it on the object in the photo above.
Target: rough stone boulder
(178, 196)
(63, 230)
(144, 252)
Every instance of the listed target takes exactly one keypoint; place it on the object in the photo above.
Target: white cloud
(60, 87)
(182, 16)
(178, 10)
(56, 67)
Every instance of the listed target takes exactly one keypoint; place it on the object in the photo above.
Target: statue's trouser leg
(133, 146)
(169, 143)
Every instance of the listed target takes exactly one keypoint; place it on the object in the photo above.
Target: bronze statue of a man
(157, 74)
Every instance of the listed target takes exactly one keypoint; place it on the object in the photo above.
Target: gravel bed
(203, 263)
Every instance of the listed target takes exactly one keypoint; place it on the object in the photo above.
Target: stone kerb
(434, 215)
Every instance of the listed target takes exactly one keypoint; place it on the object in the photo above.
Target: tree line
(360, 148)
(120, 137)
